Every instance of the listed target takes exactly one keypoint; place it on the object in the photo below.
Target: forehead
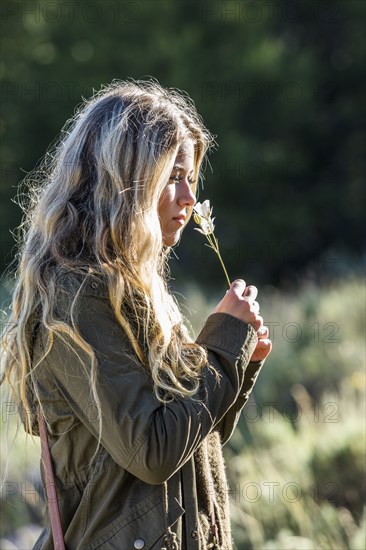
(185, 156)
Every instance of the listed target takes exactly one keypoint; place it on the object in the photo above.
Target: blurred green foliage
(290, 489)
(280, 83)
(318, 336)
(296, 461)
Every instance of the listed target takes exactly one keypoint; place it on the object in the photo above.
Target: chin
(171, 240)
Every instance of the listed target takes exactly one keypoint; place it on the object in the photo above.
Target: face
(177, 196)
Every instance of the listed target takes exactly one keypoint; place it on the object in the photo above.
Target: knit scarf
(212, 493)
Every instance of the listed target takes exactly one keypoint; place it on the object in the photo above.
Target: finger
(263, 349)
(238, 287)
(251, 292)
(264, 344)
(254, 310)
(257, 323)
(263, 333)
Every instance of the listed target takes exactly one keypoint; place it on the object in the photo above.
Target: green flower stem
(215, 246)
(221, 261)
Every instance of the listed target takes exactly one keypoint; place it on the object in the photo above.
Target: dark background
(280, 83)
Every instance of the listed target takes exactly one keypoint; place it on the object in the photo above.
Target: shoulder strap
(54, 512)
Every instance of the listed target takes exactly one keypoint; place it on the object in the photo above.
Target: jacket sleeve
(149, 439)
(228, 423)
(216, 336)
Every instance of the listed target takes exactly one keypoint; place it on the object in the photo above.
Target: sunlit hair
(94, 204)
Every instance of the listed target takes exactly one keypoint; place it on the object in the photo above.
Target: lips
(180, 220)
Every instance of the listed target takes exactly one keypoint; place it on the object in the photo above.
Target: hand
(239, 301)
(264, 345)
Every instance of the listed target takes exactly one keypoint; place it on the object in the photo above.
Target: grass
(289, 480)
(296, 462)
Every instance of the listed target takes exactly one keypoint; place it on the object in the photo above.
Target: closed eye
(178, 178)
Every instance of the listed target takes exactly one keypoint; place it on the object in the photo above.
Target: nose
(186, 197)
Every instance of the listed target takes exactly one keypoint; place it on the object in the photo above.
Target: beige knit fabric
(212, 492)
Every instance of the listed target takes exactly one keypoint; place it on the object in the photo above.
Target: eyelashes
(177, 179)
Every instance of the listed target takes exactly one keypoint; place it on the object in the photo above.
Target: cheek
(165, 201)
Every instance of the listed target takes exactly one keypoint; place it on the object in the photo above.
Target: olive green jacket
(115, 498)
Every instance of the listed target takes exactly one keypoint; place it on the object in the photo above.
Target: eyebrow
(180, 167)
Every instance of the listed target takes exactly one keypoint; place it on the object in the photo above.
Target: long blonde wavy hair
(94, 203)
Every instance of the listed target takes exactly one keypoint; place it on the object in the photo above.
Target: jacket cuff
(251, 375)
(227, 333)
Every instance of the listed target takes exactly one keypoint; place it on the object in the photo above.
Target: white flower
(202, 217)
(206, 226)
(203, 210)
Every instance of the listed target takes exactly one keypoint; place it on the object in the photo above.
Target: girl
(136, 411)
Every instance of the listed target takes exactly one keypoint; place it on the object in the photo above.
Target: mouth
(180, 219)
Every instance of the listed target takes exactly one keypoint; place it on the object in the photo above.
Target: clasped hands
(240, 302)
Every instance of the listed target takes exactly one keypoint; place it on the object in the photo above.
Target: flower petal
(206, 209)
(207, 227)
(198, 208)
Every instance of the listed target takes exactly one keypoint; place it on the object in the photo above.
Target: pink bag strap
(54, 512)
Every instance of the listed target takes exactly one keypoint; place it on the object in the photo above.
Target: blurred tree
(280, 84)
